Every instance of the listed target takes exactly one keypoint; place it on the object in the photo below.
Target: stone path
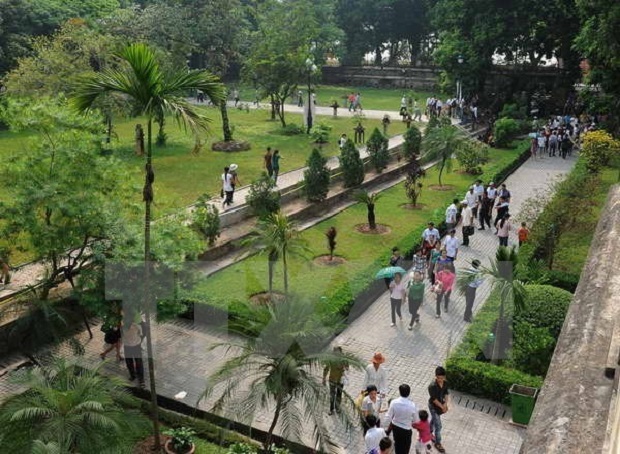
(183, 360)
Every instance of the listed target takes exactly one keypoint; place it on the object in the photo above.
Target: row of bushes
(359, 288)
(524, 356)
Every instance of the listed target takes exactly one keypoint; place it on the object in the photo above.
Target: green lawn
(308, 280)
(372, 98)
(572, 250)
(182, 177)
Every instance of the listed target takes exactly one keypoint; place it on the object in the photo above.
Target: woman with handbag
(444, 281)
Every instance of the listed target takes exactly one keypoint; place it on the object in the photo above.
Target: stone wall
(579, 395)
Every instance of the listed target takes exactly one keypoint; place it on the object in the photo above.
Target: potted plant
(180, 441)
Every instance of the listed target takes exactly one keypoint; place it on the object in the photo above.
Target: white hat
(233, 167)
(464, 202)
(491, 184)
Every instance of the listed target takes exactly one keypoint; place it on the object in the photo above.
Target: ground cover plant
(334, 287)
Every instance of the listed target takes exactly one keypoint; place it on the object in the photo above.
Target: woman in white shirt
(397, 295)
(227, 187)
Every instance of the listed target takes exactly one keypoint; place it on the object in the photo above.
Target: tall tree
(153, 93)
(279, 357)
(70, 409)
(440, 143)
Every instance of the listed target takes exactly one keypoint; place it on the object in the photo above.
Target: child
(425, 438)
(523, 233)
(415, 297)
(434, 256)
(419, 261)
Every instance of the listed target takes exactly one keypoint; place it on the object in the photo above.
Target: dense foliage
(316, 177)
(351, 165)
(377, 147)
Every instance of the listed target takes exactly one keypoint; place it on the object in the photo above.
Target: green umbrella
(390, 271)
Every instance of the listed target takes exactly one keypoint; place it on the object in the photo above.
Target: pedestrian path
(413, 355)
(183, 359)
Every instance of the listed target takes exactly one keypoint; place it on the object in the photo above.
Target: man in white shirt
(430, 237)
(451, 244)
(492, 191)
(467, 219)
(451, 213)
(374, 434)
(375, 374)
(478, 190)
(401, 415)
(472, 198)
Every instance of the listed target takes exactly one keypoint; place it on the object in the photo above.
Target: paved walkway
(183, 361)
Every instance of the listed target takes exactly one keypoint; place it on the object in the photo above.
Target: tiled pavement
(183, 360)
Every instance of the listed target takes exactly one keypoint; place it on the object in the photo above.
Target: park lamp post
(311, 69)
(459, 85)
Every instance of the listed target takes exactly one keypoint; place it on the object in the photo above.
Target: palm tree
(67, 409)
(277, 364)
(440, 143)
(278, 237)
(509, 290)
(153, 93)
(370, 200)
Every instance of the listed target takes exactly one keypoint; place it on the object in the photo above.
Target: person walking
(376, 375)
(470, 291)
(395, 260)
(419, 261)
(397, 295)
(275, 164)
(451, 213)
(430, 237)
(227, 188)
(335, 371)
(467, 219)
(432, 263)
(438, 404)
(267, 162)
(371, 404)
(112, 338)
(484, 211)
(425, 437)
(374, 434)
(502, 208)
(132, 343)
(415, 297)
(523, 233)
(401, 416)
(444, 281)
(451, 245)
(235, 179)
(385, 447)
(503, 230)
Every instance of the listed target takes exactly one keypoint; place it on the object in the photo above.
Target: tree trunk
(272, 264)
(371, 217)
(443, 164)
(284, 267)
(276, 416)
(148, 200)
(281, 113)
(225, 123)
(378, 59)
(273, 107)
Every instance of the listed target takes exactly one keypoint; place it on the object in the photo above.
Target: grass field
(312, 281)
(372, 98)
(182, 177)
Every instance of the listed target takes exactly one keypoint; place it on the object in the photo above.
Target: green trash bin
(523, 399)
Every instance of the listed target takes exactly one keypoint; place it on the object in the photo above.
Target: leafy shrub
(292, 129)
(485, 379)
(244, 448)
(181, 438)
(504, 130)
(206, 219)
(513, 111)
(351, 165)
(413, 142)
(471, 156)
(599, 147)
(320, 133)
(377, 147)
(532, 348)
(433, 123)
(545, 307)
(262, 197)
(316, 177)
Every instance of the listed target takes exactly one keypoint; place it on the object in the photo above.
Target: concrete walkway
(472, 425)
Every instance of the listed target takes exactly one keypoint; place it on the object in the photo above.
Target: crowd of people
(560, 135)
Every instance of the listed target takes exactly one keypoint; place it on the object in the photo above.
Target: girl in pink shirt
(443, 287)
(425, 438)
(503, 229)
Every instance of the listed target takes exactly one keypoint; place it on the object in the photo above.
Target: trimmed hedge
(534, 342)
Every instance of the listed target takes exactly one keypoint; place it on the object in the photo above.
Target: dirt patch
(323, 260)
(445, 187)
(147, 446)
(381, 229)
(264, 297)
(231, 146)
(411, 206)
